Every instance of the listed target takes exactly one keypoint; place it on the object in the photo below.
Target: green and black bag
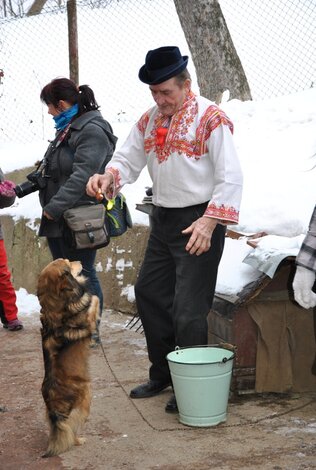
(119, 217)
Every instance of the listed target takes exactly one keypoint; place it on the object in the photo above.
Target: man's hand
(100, 183)
(302, 285)
(200, 240)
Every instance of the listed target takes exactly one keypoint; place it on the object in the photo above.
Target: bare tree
(215, 58)
(4, 8)
(8, 9)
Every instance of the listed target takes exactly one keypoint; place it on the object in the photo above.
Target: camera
(35, 181)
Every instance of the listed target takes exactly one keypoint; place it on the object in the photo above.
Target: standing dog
(68, 316)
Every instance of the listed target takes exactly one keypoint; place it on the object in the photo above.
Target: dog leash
(187, 429)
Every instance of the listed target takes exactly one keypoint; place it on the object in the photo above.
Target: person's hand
(47, 215)
(303, 282)
(100, 184)
(200, 240)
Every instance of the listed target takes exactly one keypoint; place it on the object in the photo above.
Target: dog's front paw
(94, 310)
(80, 441)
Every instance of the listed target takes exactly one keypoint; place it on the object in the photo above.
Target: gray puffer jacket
(86, 150)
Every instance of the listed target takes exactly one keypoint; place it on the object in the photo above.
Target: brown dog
(68, 316)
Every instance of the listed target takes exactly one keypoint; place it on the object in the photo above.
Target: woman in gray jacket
(84, 144)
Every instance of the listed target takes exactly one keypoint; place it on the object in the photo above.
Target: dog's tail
(63, 432)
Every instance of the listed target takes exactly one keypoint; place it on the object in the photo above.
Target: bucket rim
(218, 346)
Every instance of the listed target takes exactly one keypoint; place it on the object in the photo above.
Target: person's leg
(55, 246)
(87, 259)
(7, 294)
(154, 292)
(2, 315)
(174, 290)
(195, 286)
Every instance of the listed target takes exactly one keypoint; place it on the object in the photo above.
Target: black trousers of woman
(175, 290)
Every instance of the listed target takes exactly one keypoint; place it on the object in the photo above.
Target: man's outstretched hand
(100, 184)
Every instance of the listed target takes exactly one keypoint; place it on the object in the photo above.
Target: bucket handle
(228, 346)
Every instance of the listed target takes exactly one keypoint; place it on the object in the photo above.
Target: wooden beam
(73, 41)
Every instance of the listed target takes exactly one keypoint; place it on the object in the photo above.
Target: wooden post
(73, 41)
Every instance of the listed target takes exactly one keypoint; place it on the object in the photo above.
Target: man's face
(169, 95)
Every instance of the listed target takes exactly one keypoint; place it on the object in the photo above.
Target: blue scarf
(62, 119)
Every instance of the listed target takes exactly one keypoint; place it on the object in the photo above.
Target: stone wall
(117, 264)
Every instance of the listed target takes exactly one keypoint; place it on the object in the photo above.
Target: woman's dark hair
(66, 90)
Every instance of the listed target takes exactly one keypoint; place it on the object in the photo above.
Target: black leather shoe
(171, 406)
(149, 389)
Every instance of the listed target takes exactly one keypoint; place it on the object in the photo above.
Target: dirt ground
(261, 432)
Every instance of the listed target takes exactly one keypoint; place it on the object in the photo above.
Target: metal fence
(274, 39)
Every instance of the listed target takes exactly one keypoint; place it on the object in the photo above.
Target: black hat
(161, 64)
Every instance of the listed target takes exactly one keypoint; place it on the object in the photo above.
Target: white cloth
(302, 284)
(197, 162)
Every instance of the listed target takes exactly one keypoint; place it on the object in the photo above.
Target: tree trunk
(73, 41)
(215, 58)
(36, 7)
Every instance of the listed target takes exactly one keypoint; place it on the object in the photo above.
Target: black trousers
(175, 290)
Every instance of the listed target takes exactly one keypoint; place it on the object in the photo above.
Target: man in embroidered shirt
(186, 142)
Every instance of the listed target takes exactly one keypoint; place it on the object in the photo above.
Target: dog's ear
(48, 280)
(67, 282)
(54, 280)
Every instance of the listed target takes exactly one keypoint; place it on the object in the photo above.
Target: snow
(276, 143)
(27, 304)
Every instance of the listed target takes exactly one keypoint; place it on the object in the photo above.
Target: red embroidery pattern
(142, 123)
(227, 213)
(176, 140)
(211, 119)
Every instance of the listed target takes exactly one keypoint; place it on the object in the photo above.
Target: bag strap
(60, 137)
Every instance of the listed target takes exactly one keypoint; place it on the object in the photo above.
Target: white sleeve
(127, 162)
(226, 197)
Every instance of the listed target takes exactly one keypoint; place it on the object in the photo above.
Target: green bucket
(201, 379)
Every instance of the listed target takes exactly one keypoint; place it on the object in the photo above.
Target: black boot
(171, 406)
(149, 389)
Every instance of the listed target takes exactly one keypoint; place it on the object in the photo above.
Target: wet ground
(261, 432)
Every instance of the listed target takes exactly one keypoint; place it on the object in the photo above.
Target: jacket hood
(97, 118)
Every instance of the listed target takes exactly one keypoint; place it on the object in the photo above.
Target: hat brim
(161, 75)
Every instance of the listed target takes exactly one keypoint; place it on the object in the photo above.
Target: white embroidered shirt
(191, 159)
